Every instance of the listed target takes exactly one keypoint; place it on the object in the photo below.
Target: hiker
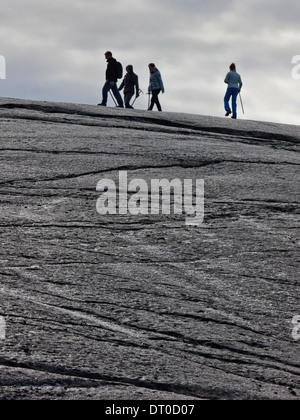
(155, 87)
(234, 81)
(111, 81)
(130, 82)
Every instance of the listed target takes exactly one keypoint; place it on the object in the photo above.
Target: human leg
(127, 99)
(155, 100)
(105, 90)
(117, 95)
(234, 94)
(226, 101)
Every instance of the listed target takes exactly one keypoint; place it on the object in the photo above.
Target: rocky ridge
(145, 307)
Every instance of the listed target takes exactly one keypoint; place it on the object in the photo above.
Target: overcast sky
(54, 51)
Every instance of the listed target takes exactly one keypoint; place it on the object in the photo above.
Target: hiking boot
(228, 113)
(101, 104)
(234, 117)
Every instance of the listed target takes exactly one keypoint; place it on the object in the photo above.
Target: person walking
(129, 83)
(155, 86)
(111, 81)
(234, 82)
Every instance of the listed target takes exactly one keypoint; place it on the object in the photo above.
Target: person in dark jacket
(130, 82)
(155, 86)
(111, 81)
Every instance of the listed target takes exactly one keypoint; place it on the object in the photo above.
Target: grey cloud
(54, 50)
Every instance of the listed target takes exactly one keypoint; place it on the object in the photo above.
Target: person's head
(151, 66)
(108, 55)
(129, 68)
(232, 67)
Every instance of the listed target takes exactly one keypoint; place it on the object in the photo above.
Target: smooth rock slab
(144, 307)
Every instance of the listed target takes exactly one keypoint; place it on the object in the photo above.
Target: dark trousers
(127, 98)
(155, 100)
(106, 88)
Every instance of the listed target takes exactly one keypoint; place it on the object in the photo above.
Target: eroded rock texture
(145, 307)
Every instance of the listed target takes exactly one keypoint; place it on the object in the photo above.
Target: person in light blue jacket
(234, 82)
(155, 86)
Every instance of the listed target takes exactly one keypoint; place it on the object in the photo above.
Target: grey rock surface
(145, 307)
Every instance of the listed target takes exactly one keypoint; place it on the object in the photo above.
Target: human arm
(240, 84)
(111, 73)
(137, 86)
(122, 85)
(161, 84)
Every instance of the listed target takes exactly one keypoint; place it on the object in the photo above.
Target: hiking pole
(242, 104)
(113, 98)
(140, 91)
(149, 99)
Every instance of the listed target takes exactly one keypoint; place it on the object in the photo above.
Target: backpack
(119, 70)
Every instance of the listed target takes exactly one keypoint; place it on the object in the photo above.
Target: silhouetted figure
(155, 86)
(111, 81)
(234, 81)
(130, 83)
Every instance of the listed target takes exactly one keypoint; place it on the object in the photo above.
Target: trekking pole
(149, 99)
(242, 104)
(113, 98)
(140, 91)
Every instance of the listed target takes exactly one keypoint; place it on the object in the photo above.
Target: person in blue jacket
(155, 87)
(234, 82)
